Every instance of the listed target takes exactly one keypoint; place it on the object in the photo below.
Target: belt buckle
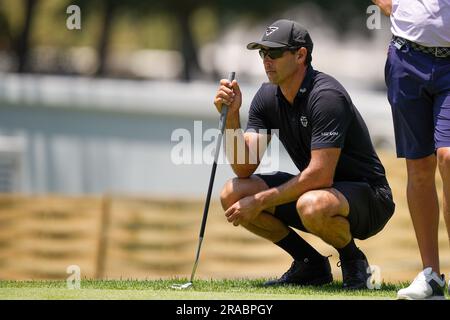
(440, 55)
(399, 42)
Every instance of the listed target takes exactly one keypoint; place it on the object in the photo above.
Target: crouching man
(341, 192)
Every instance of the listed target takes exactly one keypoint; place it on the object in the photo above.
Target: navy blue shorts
(419, 93)
(370, 207)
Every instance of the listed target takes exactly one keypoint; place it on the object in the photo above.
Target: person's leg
(323, 213)
(418, 91)
(412, 79)
(444, 168)
(443, 155)
(442, 133)
(424, 208)
(309, 266)
(266, 225)
(414, 117)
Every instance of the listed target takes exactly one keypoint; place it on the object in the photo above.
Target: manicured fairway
(202, 289)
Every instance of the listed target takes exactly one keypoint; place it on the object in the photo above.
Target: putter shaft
(222, 124)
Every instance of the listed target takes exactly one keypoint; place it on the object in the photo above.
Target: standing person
(417, 75)
(341, 192)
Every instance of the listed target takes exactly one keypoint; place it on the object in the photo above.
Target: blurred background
(87, 117)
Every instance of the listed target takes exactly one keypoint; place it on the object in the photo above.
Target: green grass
(203, 289)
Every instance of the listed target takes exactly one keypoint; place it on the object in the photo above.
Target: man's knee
(312, 209)
(228, 195)
(238, 188)
(421, 171)
(443, 156)
(315, 208)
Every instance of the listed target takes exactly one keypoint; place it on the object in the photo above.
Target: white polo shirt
(426, 22)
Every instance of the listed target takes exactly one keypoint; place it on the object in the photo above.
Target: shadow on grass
(334, 286)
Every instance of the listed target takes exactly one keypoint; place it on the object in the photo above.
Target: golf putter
(222, 123)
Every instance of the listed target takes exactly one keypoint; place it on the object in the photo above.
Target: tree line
(181, 13)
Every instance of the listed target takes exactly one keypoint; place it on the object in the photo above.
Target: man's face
(278, 69)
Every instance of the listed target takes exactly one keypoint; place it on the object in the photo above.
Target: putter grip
(224, 112)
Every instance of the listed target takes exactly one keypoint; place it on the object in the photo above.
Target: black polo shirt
(322, 116)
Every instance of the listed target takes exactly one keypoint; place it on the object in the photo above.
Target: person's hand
(385, 6)
(229, 94)
(243, 211)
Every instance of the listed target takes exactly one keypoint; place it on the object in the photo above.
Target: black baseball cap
(283, 33)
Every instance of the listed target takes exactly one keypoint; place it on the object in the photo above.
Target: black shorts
(371, 207)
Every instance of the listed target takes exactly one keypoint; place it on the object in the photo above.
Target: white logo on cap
(271, 30)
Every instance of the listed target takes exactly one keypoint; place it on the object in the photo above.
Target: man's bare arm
(244, 150)
(318, 175)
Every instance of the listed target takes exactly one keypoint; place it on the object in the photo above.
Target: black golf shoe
(305, 273)
(355, 273)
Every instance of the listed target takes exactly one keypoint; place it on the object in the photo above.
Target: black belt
(439, 52)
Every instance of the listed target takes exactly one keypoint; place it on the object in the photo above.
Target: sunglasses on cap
(275, 53)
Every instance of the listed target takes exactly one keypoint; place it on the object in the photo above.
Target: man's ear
(301, 54)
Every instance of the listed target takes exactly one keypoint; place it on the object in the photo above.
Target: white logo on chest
(304, 121)
(331, 133)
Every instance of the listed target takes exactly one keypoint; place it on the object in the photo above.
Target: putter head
(181, 286)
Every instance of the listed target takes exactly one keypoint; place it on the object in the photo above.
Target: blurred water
(80, 136)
